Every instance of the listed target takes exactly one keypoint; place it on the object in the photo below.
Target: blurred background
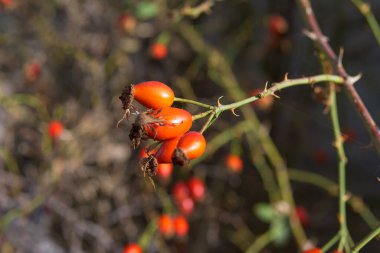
(69, 179)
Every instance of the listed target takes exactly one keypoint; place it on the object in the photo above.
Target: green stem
(262, 241)
(331, 187)
(208, 123)
(282, 85)
(189, 101)
(365, 9)
(366, 240)
(202, 115)
(342, 168)
(331, 243)
(146, 237)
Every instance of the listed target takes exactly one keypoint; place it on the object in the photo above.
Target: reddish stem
(322, 41)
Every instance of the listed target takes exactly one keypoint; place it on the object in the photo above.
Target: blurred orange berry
(32, 71)
(234, 163)
(278, 25)
(186, 206)
(263, 104)
(166, 225)
(181, 226)
(180, 191)
(132, 248)
(197, 189)
(127, 22)
(302, 214)
(158, 51)
(164, 170)
(55, 129)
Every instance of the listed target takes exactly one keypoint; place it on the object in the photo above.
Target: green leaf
(264, 212)
(146, 10)
(279, 231)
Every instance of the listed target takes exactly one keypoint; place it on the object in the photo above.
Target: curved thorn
(353, 79)
(220, 104)
(234, 113)
(286, 77)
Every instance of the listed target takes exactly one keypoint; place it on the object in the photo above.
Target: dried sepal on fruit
(191, 145)
(148, 166)
(142, 123)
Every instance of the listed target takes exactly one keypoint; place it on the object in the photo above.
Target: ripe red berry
(186, 206)
(127, 22)
(302, 214)
(164, 170)
(55, 129)
(132, 248)
(262, 104)
(165, 152)
(181, 226)
(278, 25)
(191, 145)
(234, 163)
(166, 225)
(158, 51)
(168, 123)
(152, 94)
(32, 71)
(180, 191)
(197, 189)
(315, 250)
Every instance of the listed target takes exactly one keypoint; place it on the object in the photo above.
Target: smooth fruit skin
(234, 163)
(55, 129)
(181, 226)
(171, 123)
(164, 170)
(132, 248)
(153, 94)
(165, 152)
(193, 144)
(197, 189)
(315, 250)
(159, 51)
(166, 225)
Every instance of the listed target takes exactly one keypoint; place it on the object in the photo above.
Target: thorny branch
(317, 36)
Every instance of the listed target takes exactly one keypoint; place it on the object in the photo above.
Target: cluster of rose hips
(170, 226)
(185, 194)
(127, 23)
(167, 125)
